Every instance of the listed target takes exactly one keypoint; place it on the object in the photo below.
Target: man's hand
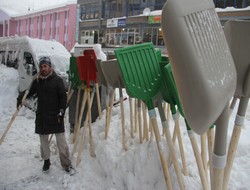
(19, 99)
(60, 116)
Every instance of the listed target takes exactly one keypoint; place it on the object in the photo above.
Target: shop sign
(122, 22)
(115, 22)
(154, 19)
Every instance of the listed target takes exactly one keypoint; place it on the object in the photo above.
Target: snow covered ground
(112, 169)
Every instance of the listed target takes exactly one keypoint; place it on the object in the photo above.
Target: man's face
(45, 69)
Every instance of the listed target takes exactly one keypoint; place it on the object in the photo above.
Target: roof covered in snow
(228, 9)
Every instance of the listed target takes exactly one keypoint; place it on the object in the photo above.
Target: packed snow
(113, 168)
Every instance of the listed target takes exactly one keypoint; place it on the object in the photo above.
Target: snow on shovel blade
(200, 58)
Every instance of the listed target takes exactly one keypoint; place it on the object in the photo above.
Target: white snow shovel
(238, 37)
(203, 69)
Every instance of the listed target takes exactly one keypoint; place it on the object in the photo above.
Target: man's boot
(46, 166)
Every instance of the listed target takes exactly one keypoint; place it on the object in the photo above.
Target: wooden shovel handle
(180, 143)
(231, 154)
(78, 124)
(123, 125)
(175, 159)
(131, 118)
(108, 119)
(199, 162)
(163, 161)
(13, 117)
(98, 100)
(9, 125)
(204, 153)
(217, 178)
(145, 121)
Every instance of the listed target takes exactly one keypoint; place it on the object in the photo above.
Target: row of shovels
(210, 67)
(145, 98)
(149, 80)
(204, 95)
(205, 71)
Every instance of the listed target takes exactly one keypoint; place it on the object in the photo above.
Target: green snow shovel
(168, 86)
(203, 69)
(76, 82)
(142, 77)
(73, 73)
(238, 38)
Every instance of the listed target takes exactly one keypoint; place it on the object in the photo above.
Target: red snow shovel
(91, 52)
(237, 34)
(203, 69)
(142, 78)
(88, 72)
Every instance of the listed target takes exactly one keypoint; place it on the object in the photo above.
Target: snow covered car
(23, 53)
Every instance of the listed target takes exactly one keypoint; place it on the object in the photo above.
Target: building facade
(113, 23)
(120, 23)
(54, 23)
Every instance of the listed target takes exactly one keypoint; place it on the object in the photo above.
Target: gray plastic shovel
(238, 37)
(113, 77)
(109, 104)
(203, 69)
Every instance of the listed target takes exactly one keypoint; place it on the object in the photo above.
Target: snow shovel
(74, 77)
(113, 77)
(169, 94)
(168, 85)
(76, 84)
(203, 69)
(109, 104)
(87, 71)
(93, 71)
(237, 34)
(80, 150)
(17, 110)
(100, 75)
(102, 80)
(142, 78)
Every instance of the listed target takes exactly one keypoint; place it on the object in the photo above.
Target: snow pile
(113, 168)
(8, 89)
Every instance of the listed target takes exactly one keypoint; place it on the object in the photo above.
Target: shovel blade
(202, 64)
(140, 70)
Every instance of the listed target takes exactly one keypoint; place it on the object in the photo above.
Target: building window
(89, 11)
(231, 3)
(110, 9)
